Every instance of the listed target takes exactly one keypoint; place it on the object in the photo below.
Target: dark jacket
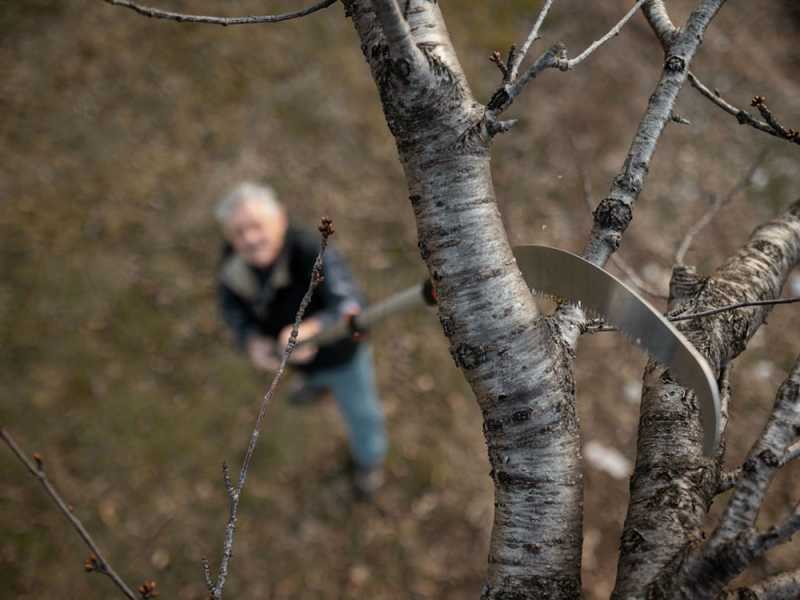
(264, 301)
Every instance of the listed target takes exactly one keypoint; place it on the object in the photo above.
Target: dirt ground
(118, 135)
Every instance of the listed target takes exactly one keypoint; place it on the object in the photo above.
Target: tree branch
(617, 260)
(224, 21)
(673, 484)
(785, 586)
(615, 212)
(235, 494)
(656, 14)
(597, 326)
(554, 58)
(516, 58)
(96, 561)
(771, 126)
(613, 32)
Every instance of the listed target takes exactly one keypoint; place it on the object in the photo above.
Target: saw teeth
(590, 312)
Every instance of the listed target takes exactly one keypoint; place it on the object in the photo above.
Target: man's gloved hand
(263, 353)
(303, 354)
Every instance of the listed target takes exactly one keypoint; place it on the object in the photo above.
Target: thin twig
(518, 57)
(596, 326)
(771, 127)
(96, 561)
(554, 57)
(224, 21)
(326, 230)
(719, 203)
(714, 311)
(613, 32)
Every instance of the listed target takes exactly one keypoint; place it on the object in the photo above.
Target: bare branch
(96, 561)
(618, 261)
(760, 103)
(785, 586)
(207, 576)
(326, 230)
(671, 472)
(780, 534)
(554, 58)
(716, 311)
(615, 212)
(656, 14)
(736, 544)
(613, 32)
(156, 13)
(771, 127)
(719, 203)
(503, 97)
(517, 57)
(764, 459)
(496, 58)
(597, 326)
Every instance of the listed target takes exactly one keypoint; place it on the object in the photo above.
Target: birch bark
(518, 365)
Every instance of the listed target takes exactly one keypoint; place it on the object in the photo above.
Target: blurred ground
(118, 133)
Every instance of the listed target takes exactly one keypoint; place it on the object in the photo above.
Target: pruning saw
(567, 277)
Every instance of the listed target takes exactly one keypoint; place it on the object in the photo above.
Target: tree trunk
(518, 365)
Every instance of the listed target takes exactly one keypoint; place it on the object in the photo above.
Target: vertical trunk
(518, 365)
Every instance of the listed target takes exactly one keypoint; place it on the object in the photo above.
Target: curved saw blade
(569, 277)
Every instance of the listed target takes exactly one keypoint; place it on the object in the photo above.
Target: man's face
(256, 233)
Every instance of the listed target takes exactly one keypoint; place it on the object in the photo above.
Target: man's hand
(263, 353)
(303, 354)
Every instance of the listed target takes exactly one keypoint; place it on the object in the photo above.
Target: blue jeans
(353, 386)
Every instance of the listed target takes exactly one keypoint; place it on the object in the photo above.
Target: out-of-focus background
(118, 133)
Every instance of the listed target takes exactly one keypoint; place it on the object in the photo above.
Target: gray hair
(247, 191)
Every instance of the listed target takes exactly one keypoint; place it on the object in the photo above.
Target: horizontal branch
(156, 13)
(771, 126)
(96, 561)
(716, 311)
(597, 326)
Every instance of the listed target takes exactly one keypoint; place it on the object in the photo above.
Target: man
(264, 273)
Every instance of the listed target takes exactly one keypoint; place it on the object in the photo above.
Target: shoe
(367, 481)
(302, 394)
